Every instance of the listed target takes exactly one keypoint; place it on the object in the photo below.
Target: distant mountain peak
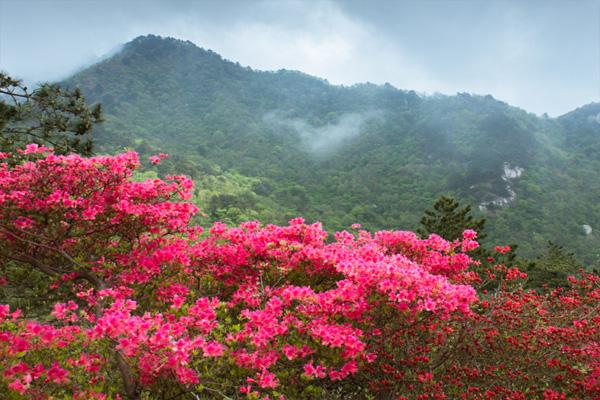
(155, 41)
(151, 39)
(154, 47)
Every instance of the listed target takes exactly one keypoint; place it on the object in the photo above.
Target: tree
(553, 267)
(49, 115)
(449, 220)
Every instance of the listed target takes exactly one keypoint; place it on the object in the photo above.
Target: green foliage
(449, 220)
(49, 115)
(286, 134)
(552, 267)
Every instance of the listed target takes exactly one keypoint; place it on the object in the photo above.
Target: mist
(323, 139)
(538, 55)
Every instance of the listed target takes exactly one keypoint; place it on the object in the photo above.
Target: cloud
(320, 40)
(323, 139)
(529, 54)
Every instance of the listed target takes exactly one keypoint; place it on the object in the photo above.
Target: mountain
(272, 145)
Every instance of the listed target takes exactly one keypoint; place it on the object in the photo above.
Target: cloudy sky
(543, 56)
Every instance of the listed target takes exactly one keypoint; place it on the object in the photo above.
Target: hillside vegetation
(274, 145)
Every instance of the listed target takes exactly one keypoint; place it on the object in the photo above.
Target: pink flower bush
(146, 304)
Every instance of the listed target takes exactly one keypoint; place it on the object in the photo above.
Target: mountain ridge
(151, 40)
(394, 150)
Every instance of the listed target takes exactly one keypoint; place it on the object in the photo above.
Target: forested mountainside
(274, 145)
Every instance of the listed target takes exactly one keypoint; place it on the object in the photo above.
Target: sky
(543, 56)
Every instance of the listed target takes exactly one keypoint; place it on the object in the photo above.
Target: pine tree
(50, 115)
(552, 267)
(449, 220)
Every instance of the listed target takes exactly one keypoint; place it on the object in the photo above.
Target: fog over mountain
(538, 55)
(322, 140)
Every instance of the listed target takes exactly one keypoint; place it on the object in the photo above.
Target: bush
(143, 305)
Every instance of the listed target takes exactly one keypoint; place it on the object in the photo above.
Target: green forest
(275, 145)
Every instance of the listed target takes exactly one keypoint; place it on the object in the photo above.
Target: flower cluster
(143, 302)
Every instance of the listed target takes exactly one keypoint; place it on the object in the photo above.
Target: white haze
(323, 139)
(539, 55)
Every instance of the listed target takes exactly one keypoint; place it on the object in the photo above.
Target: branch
(129, 385)
(5, 230)
(82, 273)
